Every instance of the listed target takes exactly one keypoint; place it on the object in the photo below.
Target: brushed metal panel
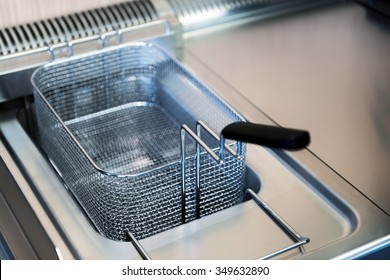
(324, 70)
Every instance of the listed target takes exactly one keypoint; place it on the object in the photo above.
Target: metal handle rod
(130, 237)
(279, 220)
(284, 250)
(290, 231)
(223, 146)
(199, 142)
(197, 204)
(118, 35)
(183, 174)
(219, 139)
(53, 48)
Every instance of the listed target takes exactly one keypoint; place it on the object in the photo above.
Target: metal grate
(74, 26)
(185, 8)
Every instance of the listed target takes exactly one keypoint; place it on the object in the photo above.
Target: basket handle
(267, 135)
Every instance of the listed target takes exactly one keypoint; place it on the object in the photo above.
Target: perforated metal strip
(69, 27)
(184, 8)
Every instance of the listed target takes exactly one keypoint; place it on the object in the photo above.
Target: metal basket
(114, 125)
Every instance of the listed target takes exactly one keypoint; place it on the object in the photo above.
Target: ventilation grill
(69, 27)
(187, 8)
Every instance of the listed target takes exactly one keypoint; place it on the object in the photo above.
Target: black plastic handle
(266, 135)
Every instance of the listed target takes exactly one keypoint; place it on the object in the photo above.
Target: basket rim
(109, 49)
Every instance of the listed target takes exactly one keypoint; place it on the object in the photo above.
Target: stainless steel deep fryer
(41, 220)
(117, 125)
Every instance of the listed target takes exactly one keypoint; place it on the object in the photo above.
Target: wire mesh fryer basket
(110, 124)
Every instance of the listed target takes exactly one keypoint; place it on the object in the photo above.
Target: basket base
(130, 138)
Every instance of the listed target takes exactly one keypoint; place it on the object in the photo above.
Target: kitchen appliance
(291, 198)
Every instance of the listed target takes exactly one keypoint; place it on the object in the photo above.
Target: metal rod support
(291, 232)
(199, 143)
(130, 237)
(279, 220)
(197, 210)
(221, 140)
(284, 250)
(183, 175)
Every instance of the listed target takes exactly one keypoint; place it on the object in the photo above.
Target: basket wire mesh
(110, 123)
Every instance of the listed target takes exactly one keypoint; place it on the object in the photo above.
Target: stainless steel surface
(290, 231)
(340, 221)
(5, 253)
(28, 233)
(28, 45)
(195, 15)
(202, 238)
(325, 70)
(325, 185)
